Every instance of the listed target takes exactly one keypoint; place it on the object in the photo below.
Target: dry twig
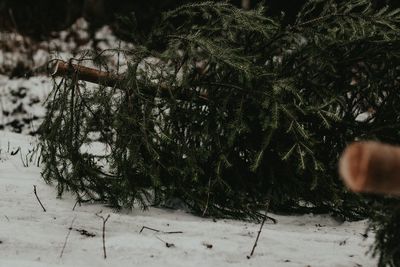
(37, 197)
(66, 238)
(105, 219)
(259, 231)
(159, 231)
(168, 245)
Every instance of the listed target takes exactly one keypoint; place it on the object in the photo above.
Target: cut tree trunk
(65, 69)
(371, 167)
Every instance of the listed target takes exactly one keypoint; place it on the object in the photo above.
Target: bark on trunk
(64, 69)
(371, 167)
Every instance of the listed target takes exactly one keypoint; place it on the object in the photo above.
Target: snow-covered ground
(31, 237)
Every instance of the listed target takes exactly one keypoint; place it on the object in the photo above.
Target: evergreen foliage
(386, 226)
(226, 109)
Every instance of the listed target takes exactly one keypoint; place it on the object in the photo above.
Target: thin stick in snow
(208, 197)
(259, 231)
(168, 245)
(40, 202)
(159, 231)
(149, 228)
(104, 232)
(66, 238)
(79, 201)
(76, 203)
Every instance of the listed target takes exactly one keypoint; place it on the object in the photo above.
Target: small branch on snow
(76, 203)
(159, 231)
(207, 245)
(259, 231)
(168, 245)
(37, 197)
(85, 233)
(208, 197)
(13, 153)
(273, 220)
(39, 160)
(79, 201)
(66, 238)
(149, 228)
(104, 231)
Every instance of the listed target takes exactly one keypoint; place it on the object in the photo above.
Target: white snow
(31, 237)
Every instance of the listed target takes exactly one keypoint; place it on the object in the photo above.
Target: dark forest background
(39, 18)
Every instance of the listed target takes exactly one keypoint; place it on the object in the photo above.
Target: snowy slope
(31, 237)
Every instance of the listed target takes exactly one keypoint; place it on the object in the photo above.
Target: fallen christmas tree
(227, 110)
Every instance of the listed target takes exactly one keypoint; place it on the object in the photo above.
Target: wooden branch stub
(61, 68)
(371, 167)
(64, 69)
